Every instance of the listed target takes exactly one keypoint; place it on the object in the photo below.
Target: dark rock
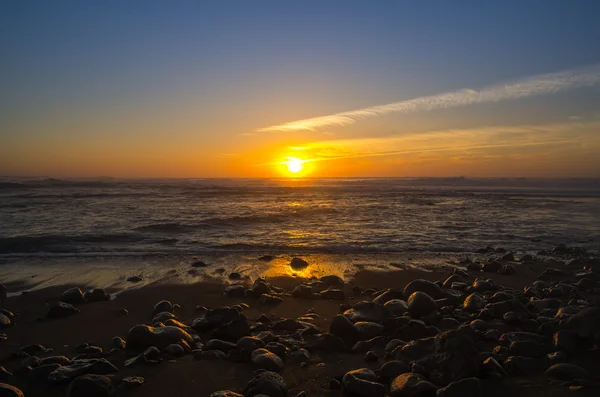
(298, 356)
(96, 295)
(417, 349)
(368, 311)
(174, 350)
(452, 279)
(235, 291)
(388, 295)
(506, 270)
(566, 341)
(331, 281)
(72, 296)
(10, 391)
(491, 267)
(366, 345)
(480, 285)
(586, 323)
(225, 393)
(411, 385)
(264, 359)
(199, 264)
(398, 307)
(287, 324)
(467, 387)
(326, 342)
(233, 330)
(266, 383)
(334, 294)
(144, 336)
(60, 310)
(134, 279)
(39, 374)
(277, 348)
(527, 348)
(427, 287)
(97, 366)
(420, 304)
(491, 366)
(518, 365)
(62, 360)
(162, 306)
(298, 264)
(367, 330)
(4, 374)
(90, 386)
(302, 291)
(567, 372)
(268, 299)
(214, 318)
(473, 303)
(217, 344)
(249, 344)
(362, 382)
(234, 276)
(210, 355)
(343, 328)
(392, 369)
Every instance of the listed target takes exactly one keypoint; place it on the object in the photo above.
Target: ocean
(46, 217)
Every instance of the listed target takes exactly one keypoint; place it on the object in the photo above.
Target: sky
(344, 88)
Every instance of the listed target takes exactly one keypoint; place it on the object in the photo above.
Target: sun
(294, 165)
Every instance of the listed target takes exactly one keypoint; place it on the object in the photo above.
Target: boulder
(235, 291)
(119, 343)
(225, 393)
(233, 330)
(269, 299)
(264, 359)
(217, 344)
(302, 291)
(527, 348)
(162, 306)
(586, 323)
(467, 387)
(60, 310)
(427, 287)
(421, 304)
(97, 366)
(298, 264)
(10, 391)
(343, 328)
(367, 330)
(392, 369)
(368, 311)
(362, 382)
(266, 383)
(455, 278)
(90, 385)
(398, 307)
(96, 295)
(72, 296)
(331, 280)
(333, 293)
(39, 374)
(249, 344)
(412, 385)
(567, 372)
(142, 336)
(174, 350)
(388, 295)
(277, 348)
(214, 318)
(473, 303)
(5, 321)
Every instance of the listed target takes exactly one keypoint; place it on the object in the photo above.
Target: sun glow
(294, 165)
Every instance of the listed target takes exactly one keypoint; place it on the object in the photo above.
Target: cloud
(528, 87)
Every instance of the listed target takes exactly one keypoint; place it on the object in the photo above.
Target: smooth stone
(527, 348)
(72, 296)
(97, 366)
(343, 328)
(302, 291)
(392, 369)
(473, 303)
(333, 294)
(411, 385)
(60, 310)
(233, 330)
(518, 365)
(368, 330)
(7, 390)
(331, 280)
(565, 371)
(269, 299)
(366, 345)
(427, 287)
(174, 350)
(298, 263)
(217, 344)
(298, 356)
(586, 323)
(467, 387)
(420, 304)
(277, 348)
(96, 295)
(62, 360)
(235, 291)
(368, 311)
(214, 318)
(162, 306)
(326, 342)
(567, 341)
(248, 344)
(388, 295)
(119, 342)
(267, 383)
(264, 359)
(398, 307)
(90, 385)
(144, 336)
(363, 382)
(225, 393)
(4, 374)
(134, 279)
(40, 373)
(455, 278)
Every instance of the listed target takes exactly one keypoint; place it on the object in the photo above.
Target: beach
(196, 373)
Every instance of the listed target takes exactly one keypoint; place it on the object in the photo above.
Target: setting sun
(294, 165)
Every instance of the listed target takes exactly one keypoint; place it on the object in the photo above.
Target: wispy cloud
(528, 87)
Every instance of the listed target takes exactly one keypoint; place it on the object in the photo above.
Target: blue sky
(156, 75)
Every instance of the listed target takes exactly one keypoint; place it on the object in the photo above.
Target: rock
(225, 393)
(367, 330)
(214, 318)
(528, 348)
(287, 324)
(518, 365)
(233, 330)
(455, 356)
(97, 366)
(411, 385)
(60, 310)
(174, 350)
(343, 328)
(264, 359)
(266, 383)
(142, 336)
(480, 285)
(39, 374)
(491, 267)
(10, 391)
(332, 293)
(420, 304)
(473, 303)
(327, 342)
(388, 295)
(331, 280)
(249, 344)
(298, 264)
(298, 356)
(371, 356)
(467, 387)
(134, 279)
(199, 264)
(492, 366)
(566, 341)
(427, 287)
(217, 344)
(90, 386)
(362, 382)
(122, 312)
(162, 306)
(586, 323)
(302, 291)
(366, 345)
(417, 349)
(269, 299)
(455, 278)
(210, 355)
(119, 343)
(277, 348)
(392, 369)
(506, 270)
(62, 360)
(398, 307)
(96, 295)
(368, 311)
(72, 296)
(5, 321)
(567, 372)
(235, 291)
(4, 374)
(448, 323)
(234, 276)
